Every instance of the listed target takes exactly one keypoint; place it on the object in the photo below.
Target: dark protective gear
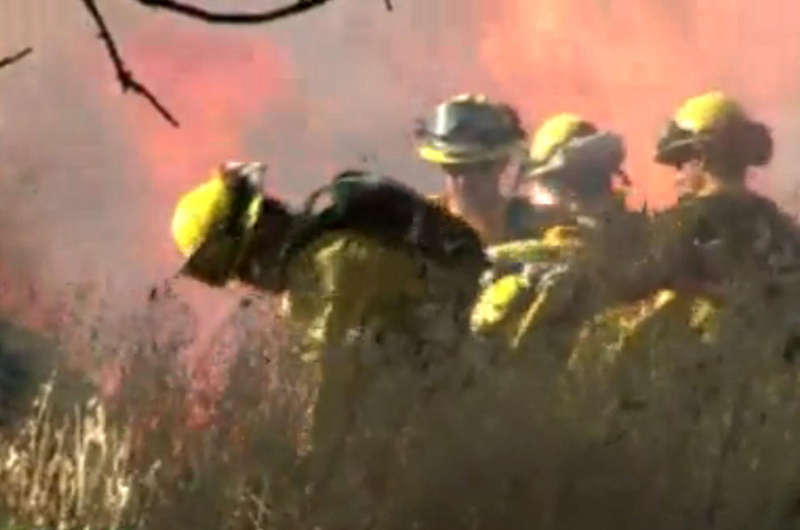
(469, 128)
(392, 213)
(712, 240)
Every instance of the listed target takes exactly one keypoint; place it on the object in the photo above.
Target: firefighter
(474, 140)
(716, 254)
(370, 255)
(380, 275)
(571, 168)
(720, 233)
(722, 240)
(720, 230)
(574, 165)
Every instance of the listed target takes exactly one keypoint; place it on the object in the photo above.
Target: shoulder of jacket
(338, 244)
(437, 199)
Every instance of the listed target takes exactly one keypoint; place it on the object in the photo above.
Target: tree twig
(125, 77)
(220, 17)
(11, 59)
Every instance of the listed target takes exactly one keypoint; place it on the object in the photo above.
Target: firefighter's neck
(722, 184)
(473, 192)
(485, 211)
(722, 178)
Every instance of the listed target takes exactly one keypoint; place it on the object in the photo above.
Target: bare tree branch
(126, 78)
(219, 17)
(11, 59)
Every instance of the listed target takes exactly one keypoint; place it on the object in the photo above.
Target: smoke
(89, 176)
(628, 64)
(219, 88)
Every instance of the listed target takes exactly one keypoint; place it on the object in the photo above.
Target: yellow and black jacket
(571, 274)
(708, 256)
(380, 262)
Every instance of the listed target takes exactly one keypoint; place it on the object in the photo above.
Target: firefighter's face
(475, 180)
(477, 170)
(691, 178)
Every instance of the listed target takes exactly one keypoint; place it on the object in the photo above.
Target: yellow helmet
(469, 128)
(707, 111)
(715, 126)
(570, 153)
(213, 222)
(554, 133)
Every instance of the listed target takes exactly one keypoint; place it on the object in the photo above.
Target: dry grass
(163, 449)
(705, 437)
(67, 472)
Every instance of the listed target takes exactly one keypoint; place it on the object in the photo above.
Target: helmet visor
(676, 146)
(214, 261)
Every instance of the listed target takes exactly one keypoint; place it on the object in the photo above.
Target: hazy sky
(89, 176)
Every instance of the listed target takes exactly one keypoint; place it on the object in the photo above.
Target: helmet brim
(542, 171)
(445, 155)
(676, 146)
(676, 153)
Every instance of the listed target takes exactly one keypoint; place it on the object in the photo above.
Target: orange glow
(627, 64)
(218, 86)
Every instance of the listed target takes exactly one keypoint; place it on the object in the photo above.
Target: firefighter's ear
(757, 143)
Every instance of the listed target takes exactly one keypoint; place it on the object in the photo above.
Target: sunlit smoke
(219, 90)
(90, 175)
(627, 64)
